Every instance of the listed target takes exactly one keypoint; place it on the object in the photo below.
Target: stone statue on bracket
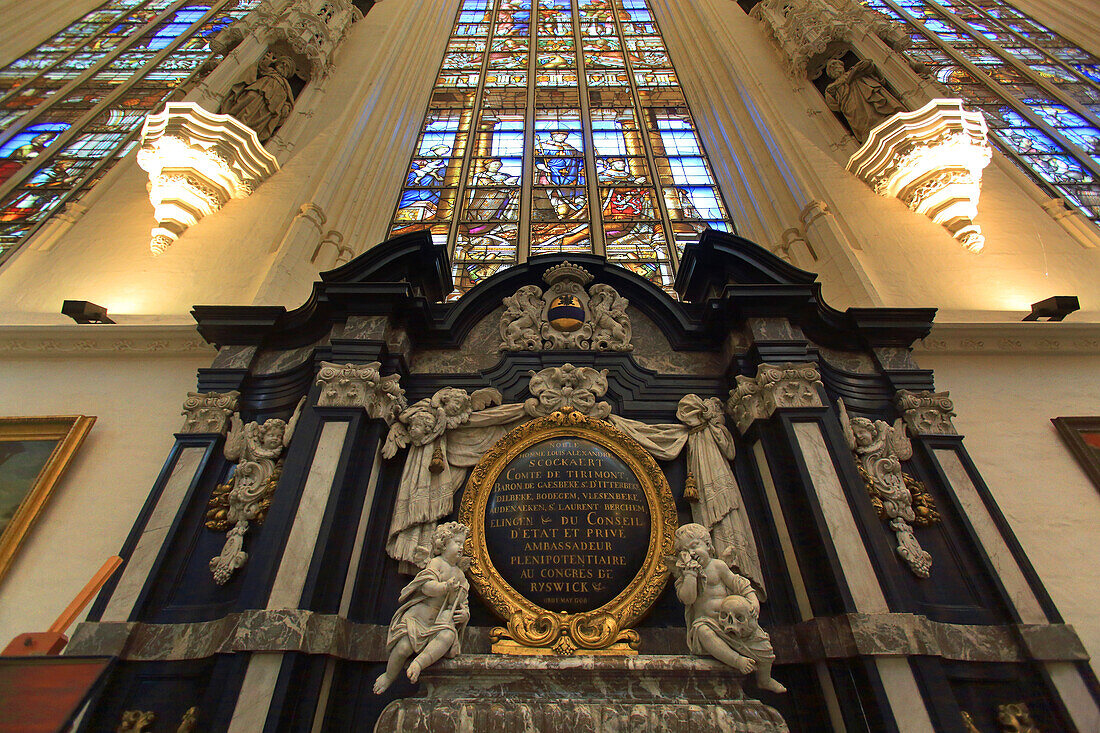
(257, 448)
(721, 609)
(860, 94)
(265, 102)
(434, 610)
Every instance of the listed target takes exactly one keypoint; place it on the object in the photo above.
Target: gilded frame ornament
(532, 629)
(69, 432)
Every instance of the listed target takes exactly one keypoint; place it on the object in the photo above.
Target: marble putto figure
(435, 608)
(721, 609)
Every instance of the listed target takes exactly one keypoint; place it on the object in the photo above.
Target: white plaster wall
(136, 401)
(1004, 404)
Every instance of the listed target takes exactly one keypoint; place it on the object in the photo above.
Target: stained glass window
(1040, 94)
(558, 126)
(73, 106)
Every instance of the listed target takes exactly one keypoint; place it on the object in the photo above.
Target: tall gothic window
(74, 105)
(1039, 92)
(559, 126)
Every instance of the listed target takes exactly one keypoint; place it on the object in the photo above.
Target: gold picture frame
(34, 453)
(532, 629)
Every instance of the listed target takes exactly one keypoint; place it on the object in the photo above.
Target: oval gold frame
(535, 630)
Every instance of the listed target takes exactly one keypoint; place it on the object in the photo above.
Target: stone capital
(360, 385)
(776, 386)
(927, 413)
(208, 412)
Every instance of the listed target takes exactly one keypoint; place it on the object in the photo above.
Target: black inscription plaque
(567, 524)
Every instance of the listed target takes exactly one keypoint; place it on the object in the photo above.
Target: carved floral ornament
(775, 386)
(566, 316)
(208, 412)
(361, 385)
(927, 413)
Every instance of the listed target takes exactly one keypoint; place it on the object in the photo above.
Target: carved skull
(736, 617)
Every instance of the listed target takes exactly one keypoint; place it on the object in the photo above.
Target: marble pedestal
(584, 694)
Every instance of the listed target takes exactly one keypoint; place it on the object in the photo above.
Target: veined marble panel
(256, 692)
(1012, 578)
(300, 545)
(835, 637)
(858, 571)
(141, 560)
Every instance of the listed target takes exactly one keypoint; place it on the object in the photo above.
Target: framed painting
(34, 453)
(1082, 435)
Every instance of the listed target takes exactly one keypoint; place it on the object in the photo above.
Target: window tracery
(1040, 93)
(558, 126)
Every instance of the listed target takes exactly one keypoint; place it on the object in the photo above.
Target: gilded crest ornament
(531, 628)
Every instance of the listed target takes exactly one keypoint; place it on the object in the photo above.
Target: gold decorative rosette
(531, 628)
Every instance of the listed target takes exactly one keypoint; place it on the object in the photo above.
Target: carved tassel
(691, 491)
(436, 466)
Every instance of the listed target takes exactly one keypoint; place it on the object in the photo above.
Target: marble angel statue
(445, 435)
(721, 608)
(880, 448)
(434, 610)
(257, 449)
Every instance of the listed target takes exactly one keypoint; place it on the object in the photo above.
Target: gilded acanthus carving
(361, 385)
(1015, 717)
(879, 450)
(568, 388)
(566, 316)
(775, 386)
(208, 412)
(257, 448)
(927, 413)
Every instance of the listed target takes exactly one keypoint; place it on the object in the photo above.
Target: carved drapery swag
(710, 448)
(448, 433)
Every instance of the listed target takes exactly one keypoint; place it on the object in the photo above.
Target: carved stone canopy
(566, 316)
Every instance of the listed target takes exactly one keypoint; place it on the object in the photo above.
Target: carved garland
(534, 629)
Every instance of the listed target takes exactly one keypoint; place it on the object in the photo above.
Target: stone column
(928, 416)
(354, 403)
(206, 419)
(781, 413)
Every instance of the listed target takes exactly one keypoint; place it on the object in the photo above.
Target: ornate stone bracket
(257, 448)
(927, 413)
(361, 385)
(900, 499)
(311, 29)
(197, 161)
(932, 160)
(208, 412)
(808, 32)
(566, 316)
(775, 386)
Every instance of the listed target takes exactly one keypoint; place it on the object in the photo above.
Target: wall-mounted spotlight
(82, 311)
(1054, 309)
